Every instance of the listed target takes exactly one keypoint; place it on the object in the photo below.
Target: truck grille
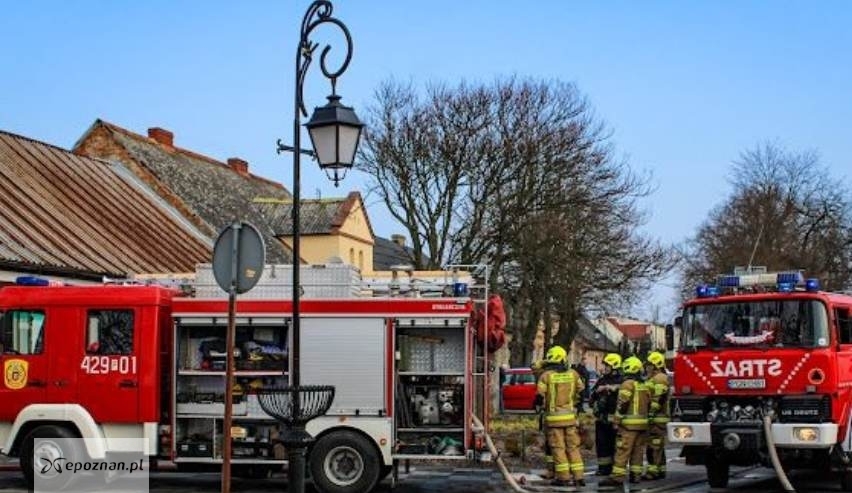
(686, 409)
(750, 435)
(805, 409)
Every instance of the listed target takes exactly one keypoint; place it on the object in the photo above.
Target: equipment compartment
(430, 388)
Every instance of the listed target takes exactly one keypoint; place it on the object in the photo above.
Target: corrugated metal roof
(61, 212)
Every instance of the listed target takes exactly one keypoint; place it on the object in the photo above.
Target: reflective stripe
(561, 417)
(548, 458)
(653, 469)
(634, 420)
(619, 471)
(604, 461)
(636, 469)
(562, 467)
(576, 466)
(660, 419)
(626, 393)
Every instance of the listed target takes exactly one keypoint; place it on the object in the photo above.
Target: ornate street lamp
(335, 131)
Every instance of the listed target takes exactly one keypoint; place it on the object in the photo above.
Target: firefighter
(631, 418)
(603, 401)
(658, 417)
(537, 369)
(559, 389)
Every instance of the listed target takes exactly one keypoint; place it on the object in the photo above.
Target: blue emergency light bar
(31, 281)
(784, 282)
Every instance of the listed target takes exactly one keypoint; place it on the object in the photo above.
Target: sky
(684, 87)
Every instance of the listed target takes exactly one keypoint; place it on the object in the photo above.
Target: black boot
(634, 478)
(581, 483)
(610, 482)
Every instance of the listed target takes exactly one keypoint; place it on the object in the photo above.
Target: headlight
(806, 434)
(682, 432)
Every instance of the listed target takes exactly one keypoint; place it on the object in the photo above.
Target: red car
(518, 389)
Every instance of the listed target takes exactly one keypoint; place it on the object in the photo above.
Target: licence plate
(747, 383)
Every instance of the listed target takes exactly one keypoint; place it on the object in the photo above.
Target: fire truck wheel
(42, 460)
(717, 471)
(344, 462)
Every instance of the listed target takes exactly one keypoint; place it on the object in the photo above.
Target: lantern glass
(335, 131)
(324, 140)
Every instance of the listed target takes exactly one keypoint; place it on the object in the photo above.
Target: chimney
(238, 165)
(399, 240)
(162, 136)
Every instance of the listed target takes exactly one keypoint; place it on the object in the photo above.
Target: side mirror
(670, 337)
(678, 322)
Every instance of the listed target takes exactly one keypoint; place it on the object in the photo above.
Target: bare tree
(786, 212)
(519, 175)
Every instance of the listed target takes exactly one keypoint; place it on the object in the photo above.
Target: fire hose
(773, 454)
(503, 469)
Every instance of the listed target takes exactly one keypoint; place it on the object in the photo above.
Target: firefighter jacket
(634, 401)
(659, 390)
(560, 389)
(605, 396)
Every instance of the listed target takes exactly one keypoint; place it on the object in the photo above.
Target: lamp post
(334, 130)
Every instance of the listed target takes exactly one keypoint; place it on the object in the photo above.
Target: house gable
(209, 193)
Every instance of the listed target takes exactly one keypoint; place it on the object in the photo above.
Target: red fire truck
(109, 362)
(763, 375)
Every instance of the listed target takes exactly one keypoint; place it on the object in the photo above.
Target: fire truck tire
(50, 449)
(345, 462)
(717, 471)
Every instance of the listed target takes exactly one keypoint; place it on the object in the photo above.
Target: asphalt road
(462, 480)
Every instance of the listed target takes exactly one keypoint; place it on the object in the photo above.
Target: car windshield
(776, 323)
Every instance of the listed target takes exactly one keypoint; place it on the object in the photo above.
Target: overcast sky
(684, 86)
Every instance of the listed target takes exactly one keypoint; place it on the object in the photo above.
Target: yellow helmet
(631, 365)
(613, 360)
(556, 354)
(657, 359)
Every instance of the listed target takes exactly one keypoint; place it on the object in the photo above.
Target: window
(360, 260)
(781, 323)
(23, 332)
(351, 256)
(844, 325)
(109, 332)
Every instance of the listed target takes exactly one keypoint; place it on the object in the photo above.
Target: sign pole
(238, 262)
(229, 365)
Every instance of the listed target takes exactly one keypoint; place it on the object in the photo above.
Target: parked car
(518, 389)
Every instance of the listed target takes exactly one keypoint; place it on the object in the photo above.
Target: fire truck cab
(112, 362)
(763, 369)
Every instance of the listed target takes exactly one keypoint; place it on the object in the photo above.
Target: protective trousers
(548, 453)
(565, 443)
(629, 448)
(657, 450)
(604, 446)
